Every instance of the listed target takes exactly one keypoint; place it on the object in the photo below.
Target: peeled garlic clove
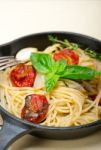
(39, 81)
(24, 54)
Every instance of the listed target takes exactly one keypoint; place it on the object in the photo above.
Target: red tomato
(69, 55)
(35, 109)
(23, 75)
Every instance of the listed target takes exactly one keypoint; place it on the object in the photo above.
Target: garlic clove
(24, 54)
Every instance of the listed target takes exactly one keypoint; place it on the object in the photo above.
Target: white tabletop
(23, 17)
(28, 142)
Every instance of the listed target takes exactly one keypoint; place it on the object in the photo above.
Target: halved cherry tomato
(23, 75)
(69, 55)
(35, 109)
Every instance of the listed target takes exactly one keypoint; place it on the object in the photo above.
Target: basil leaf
(79, 73)
(59, 66)
(45, 64)
(42, 62)
(50, 81)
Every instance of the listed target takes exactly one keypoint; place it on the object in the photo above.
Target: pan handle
(11, 131)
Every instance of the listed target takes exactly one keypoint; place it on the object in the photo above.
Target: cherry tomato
(35, 109)
(23, 75)
(69, 55)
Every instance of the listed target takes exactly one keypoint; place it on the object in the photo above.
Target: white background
(22, 17)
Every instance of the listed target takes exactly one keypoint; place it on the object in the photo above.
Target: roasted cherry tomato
(35, 109)
(23, 75)
(69, 55)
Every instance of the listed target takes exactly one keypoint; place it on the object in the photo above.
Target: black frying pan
(13, 127)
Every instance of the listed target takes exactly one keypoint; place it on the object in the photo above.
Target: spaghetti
(70, 102)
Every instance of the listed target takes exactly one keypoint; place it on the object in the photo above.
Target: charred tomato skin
(23, 75)
(35, 109)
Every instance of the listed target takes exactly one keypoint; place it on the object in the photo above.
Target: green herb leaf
(93, 54)
(74, 46)
(79, 73)
(42, 62)
(50, 81)
(45, 64)
(65, 43)
(52, 39)
(59, 66)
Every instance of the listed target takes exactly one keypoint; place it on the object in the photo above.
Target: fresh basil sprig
(53, 71)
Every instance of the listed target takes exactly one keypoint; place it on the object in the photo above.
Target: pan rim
(51, 32)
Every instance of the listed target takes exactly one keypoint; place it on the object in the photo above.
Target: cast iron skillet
(14, 128)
